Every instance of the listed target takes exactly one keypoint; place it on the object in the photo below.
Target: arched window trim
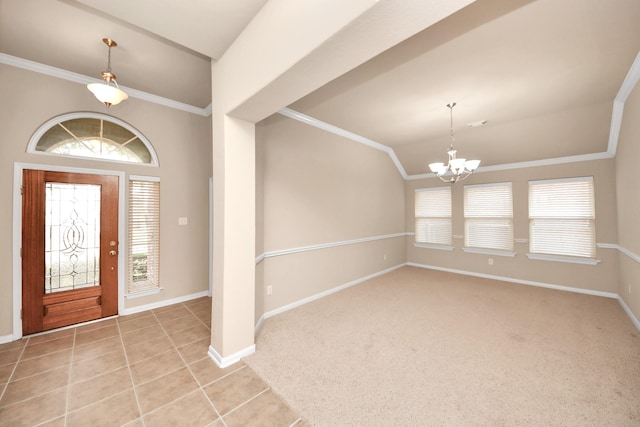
(33, 142)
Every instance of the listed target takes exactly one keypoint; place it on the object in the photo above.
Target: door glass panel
(72, 236)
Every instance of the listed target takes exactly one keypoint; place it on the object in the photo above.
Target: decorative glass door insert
(72, 236)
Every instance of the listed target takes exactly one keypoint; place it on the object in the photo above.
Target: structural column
(232, 328)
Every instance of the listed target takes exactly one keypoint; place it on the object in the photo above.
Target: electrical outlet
(384, 257)
(490, 261)
(269, 290)
(629, 289)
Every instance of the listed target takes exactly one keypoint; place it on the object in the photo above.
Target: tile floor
(147, 369)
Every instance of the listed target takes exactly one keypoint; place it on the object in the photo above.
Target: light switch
(183, 220)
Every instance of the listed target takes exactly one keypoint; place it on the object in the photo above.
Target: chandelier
(108, 93)
(456, 169)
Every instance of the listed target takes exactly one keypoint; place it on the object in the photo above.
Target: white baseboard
(141, 308)
(323, 294)
(223, 362)
(626, 308)
(519, 281)
(6, 338)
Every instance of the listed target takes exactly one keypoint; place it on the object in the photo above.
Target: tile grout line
(200, 387)
(126, 358)
(13, 371)
(246, 402)
(66, 399)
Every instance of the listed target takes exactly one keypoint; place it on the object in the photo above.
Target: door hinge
(21, 314)
(20, 252)
(21, 190)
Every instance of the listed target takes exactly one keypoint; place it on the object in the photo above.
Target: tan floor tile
(191, 410)
(143, 322)
(235, 389)
(13, 345)
(94, 335)
(88, 368)
(167, 308)
(58, 422)
(5, 373)
(181, 323)
(195, 351)
(42, 348)
(27, 388)
(96, 325)
(134, 317)
(206, 371)
(10, 356)
(265, 410)
(198, 301)
(140, 351)
(157, 366)
(170, 315)
(98, 348)
(202, 312)
(34, 411)
(135, 423)
(97, 388)
(194, 333)
(40, 364)
(203, 316)
(159, 392)
(50, 336)
(114, 411)
(142, 335)
(217, 423)
(301, 423)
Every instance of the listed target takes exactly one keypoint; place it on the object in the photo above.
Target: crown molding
(381, 147)
(346, 134)
(48, 70)
(627, 86)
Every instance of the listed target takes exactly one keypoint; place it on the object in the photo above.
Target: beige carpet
(418, 347)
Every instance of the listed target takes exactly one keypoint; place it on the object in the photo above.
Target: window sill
(433, 246)
(564, 258)
(144, 293)
(496, 252)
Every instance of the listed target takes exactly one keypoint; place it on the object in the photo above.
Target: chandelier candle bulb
(460, 168)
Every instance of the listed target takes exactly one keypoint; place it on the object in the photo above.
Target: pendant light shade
(108, 92)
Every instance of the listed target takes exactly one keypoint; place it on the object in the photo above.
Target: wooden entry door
(69, 249)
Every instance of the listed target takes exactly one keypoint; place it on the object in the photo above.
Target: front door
(69, 249)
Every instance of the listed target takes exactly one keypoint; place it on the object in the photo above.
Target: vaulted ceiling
(543, 73)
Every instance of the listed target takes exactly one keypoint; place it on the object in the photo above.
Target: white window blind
(488, 216)
(433, 215)
(144, 235)
(562, 217)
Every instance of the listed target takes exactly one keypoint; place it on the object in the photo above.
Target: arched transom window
(95, 136)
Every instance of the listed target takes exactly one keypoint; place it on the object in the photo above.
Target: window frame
(590, 258)
(154, 287)
(35, 138)
(472, 217)
(440, 217)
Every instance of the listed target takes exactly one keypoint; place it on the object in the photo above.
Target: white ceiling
(543, 73)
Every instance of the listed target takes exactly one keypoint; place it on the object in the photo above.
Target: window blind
(144, 235)
(433, 215)
(488, 216)
(562, 217)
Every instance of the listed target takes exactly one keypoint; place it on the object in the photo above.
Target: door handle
(112, 252)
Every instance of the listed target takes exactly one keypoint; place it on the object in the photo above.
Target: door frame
(17, 232)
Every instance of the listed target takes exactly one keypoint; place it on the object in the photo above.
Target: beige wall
(181, 140)
(318, 188)
(628, 191)
(601, 277)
